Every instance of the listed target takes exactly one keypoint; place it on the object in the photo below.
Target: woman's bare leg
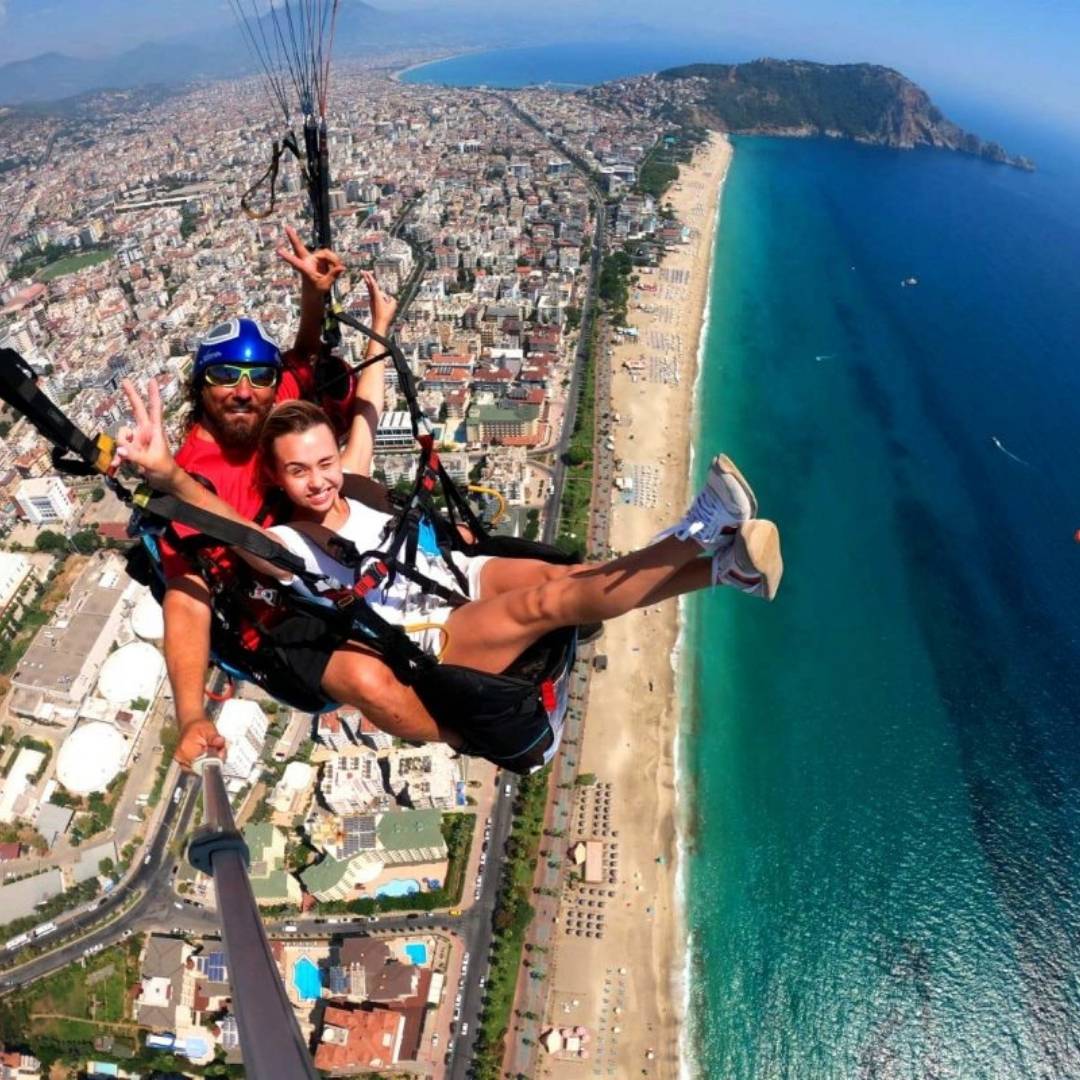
(501, 575)
(489, 634)
(689, 578)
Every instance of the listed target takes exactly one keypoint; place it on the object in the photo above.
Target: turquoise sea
(883, 767)
(885, 764)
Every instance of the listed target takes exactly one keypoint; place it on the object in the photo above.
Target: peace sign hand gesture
(319, 269)
(144, 444)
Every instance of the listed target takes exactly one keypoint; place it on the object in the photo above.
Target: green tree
(50, 541)
(86, 541)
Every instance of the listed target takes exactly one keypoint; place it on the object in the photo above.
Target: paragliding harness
(513, 719)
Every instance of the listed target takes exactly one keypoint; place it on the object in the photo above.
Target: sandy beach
(625, 985)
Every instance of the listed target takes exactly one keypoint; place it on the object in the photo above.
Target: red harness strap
(547, 695)
(431, 462)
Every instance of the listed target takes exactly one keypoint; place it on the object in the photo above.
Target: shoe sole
(758, 543)
(722, 463)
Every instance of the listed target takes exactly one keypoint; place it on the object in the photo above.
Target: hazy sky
(1021, 52)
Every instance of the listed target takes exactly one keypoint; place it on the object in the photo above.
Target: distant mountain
(53, 76)
(865, 102)
(361, 30)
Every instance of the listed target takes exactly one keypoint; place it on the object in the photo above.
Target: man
(237, 377)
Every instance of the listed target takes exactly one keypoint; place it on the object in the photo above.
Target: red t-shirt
(236, 477)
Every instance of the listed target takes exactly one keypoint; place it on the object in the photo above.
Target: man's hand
(318, 269)
(383, 305)
(198, 738)
(144, 444)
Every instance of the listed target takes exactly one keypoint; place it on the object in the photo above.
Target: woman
(515, 601)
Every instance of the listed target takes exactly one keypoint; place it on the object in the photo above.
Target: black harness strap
(222, 530)
(376, 564)
(279, 148)
(19, 388)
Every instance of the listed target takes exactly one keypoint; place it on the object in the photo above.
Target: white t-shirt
(403, 602)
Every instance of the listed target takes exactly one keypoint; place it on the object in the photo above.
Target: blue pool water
(307, 980)
(416, 951)
(399, 887)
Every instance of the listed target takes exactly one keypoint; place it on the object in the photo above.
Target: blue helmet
(238, 341)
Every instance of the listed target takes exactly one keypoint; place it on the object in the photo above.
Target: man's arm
(318, 271)
(187, 658)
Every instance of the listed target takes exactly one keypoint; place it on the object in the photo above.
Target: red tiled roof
(371, 1039)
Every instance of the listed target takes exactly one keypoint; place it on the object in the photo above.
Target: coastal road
(581, 356)
(476, 927)
(573, 394)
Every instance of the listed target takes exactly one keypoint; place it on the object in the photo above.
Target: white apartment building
(352, 783)
(394, 432)
(243, 725)
(425, 778)
(45, 501)
(15, 571)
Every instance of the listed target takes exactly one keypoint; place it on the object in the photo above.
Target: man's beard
(238, 430)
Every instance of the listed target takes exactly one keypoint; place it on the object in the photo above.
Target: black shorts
(301, 663)
(291, 668)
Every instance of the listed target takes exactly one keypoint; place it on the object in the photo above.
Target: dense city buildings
(121, 244)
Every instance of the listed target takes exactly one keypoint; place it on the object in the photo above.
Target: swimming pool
(307, 980)
(416, 951)
(399, 887)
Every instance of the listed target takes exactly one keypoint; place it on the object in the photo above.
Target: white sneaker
(721, 506)
(752, 563)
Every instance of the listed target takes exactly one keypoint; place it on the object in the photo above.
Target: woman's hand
(319, 269)
(383, 305)
(143, 444)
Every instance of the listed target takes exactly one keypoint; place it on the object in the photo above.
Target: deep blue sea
(883, 767)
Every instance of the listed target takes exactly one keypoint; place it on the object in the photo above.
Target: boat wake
(825, 356)
(1008, 453)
